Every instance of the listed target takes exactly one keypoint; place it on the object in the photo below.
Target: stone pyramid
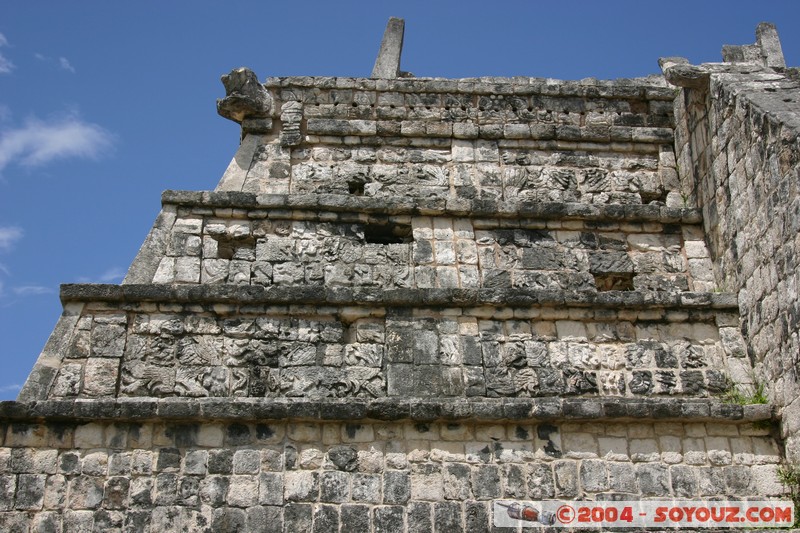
(409, 299)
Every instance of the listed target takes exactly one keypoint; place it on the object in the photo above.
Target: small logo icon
(528, 513)
(565, 514)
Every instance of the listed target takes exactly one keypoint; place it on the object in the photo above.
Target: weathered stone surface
(409, 298)
(245, 97)
(387, 65)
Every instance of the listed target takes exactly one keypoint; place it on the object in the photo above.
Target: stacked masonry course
(410, 297)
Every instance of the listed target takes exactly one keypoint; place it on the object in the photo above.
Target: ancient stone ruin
(408, 298)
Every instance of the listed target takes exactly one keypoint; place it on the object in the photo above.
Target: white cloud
(38, 142)
(112, 275)
(9, 388)
(6, 66)
(63, 62)
(31, 290)
(9, 235)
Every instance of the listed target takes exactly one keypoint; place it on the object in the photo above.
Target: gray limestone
(408, 298)
(387, 65)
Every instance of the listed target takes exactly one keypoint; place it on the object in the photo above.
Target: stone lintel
(322, 203)
(372, 297)
(385, 409)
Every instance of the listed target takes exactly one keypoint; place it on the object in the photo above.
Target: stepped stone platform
(408, 298)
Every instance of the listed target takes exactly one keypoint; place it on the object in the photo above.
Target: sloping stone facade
(410, 297)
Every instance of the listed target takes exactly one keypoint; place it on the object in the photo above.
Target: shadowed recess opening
(356, 188)
(614, 282)
(387, 233)
(228, 248)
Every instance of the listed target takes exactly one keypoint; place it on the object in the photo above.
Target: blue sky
(105, 104)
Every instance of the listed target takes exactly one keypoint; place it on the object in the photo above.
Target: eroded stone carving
(245, 97)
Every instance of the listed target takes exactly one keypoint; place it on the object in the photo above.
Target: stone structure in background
(407, 298)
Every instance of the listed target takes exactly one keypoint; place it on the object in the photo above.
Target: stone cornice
(430, 207)
(385, 409)
(252, 294)
(652, 87)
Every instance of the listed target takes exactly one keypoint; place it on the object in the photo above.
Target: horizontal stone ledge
(375, 297)
(434, 127)
(387, 409)
(445, 143)
(650, 88)
(434, 207)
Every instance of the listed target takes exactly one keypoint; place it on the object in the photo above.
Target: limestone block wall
(739, 140)
(528, 138)
(168, 346)
(408, 298)
(207, 475)
(205, 241)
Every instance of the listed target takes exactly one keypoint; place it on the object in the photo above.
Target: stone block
(100, 375)
(541, 483)
(270, 489)
(653, 479)
(301, 486)
(246, 462)
(447, 516)
(593, 475)
(356, 516)
(334, 486)
(326, 518)
(456, 477)
(388, 519)
(610, 263)
(486, 482)
(622, 477)
(85, 492)
(366, 488)
(566, 479)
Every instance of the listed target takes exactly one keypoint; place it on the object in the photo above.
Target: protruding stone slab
(345, 296)
(678, 71)
(245, 97)
(387, 65)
